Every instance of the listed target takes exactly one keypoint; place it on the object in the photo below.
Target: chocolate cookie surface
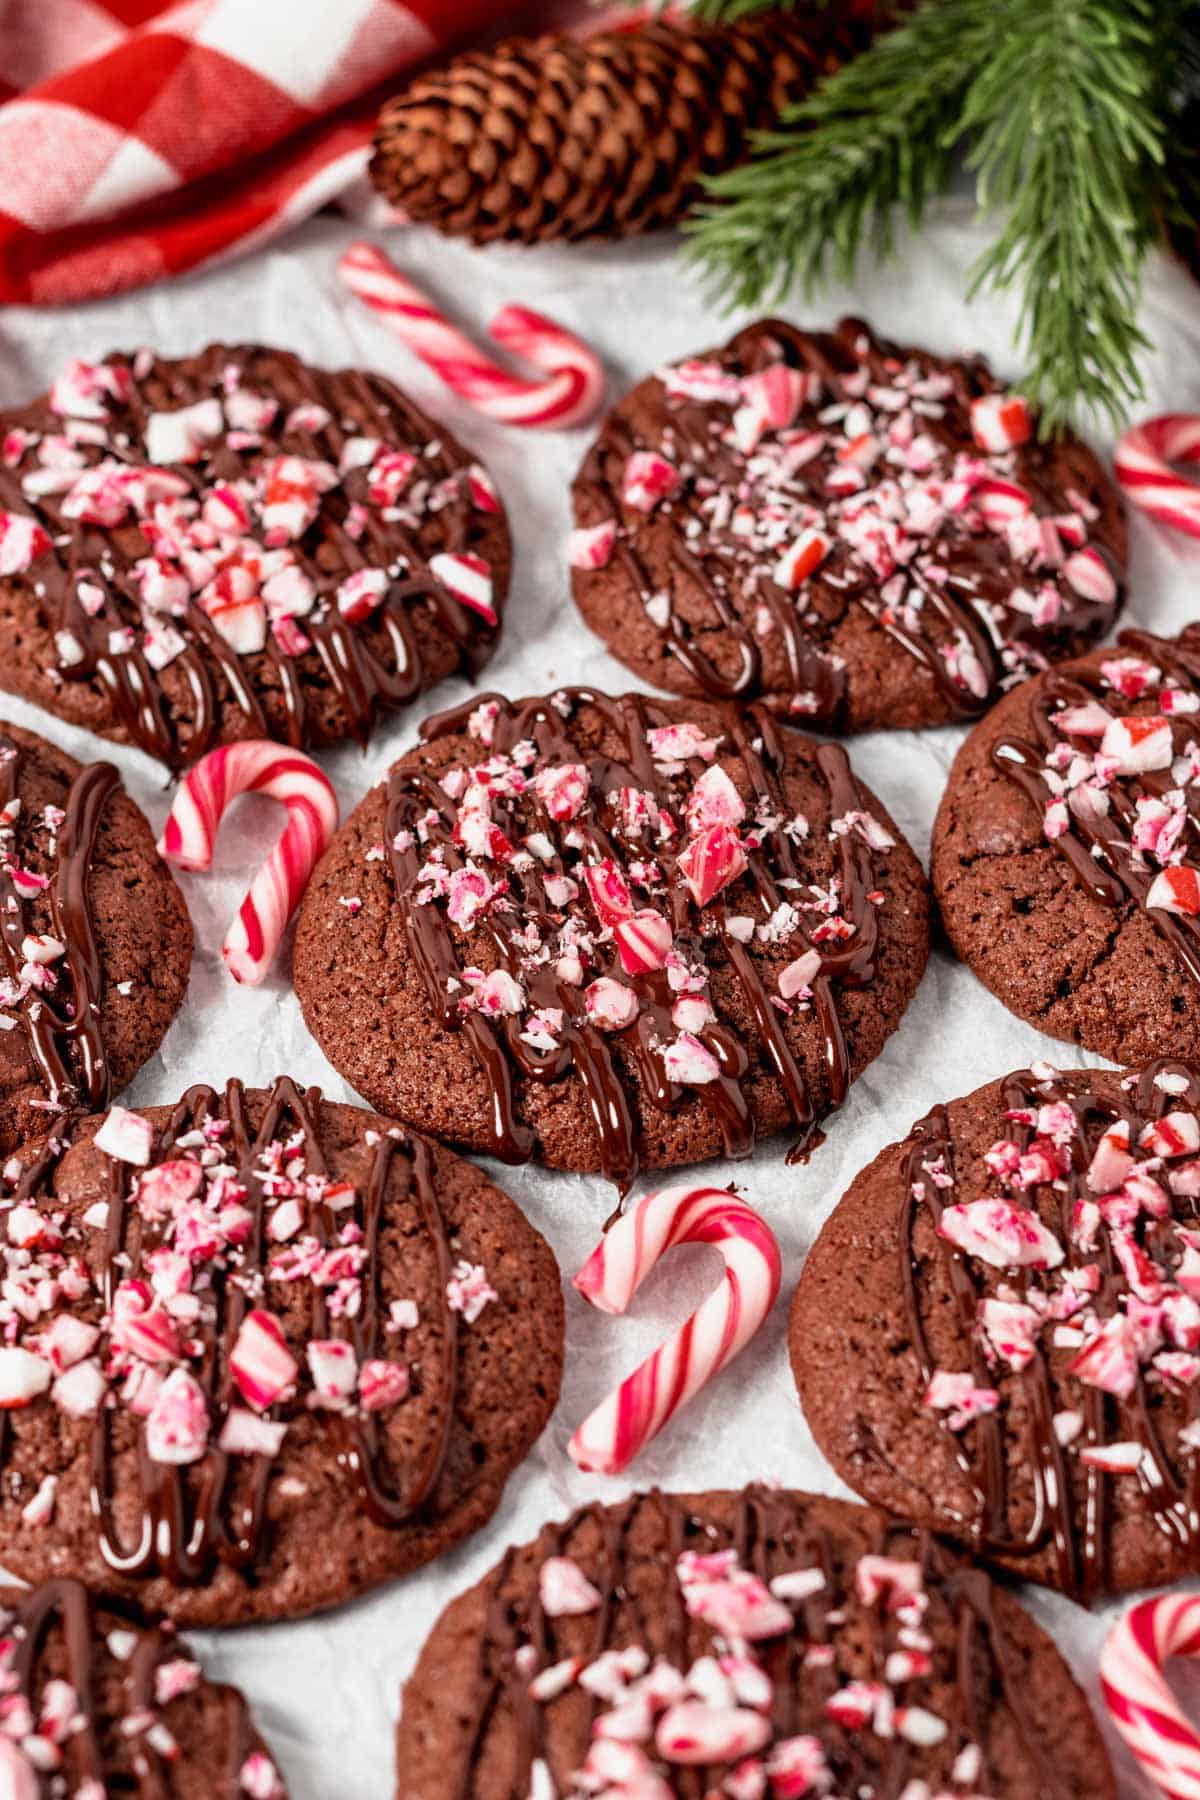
(113, 1706)
(867, 534)
(235, 545)
(1066, 859)
(996, 1332)
(611, 932)
(742, 1644)
(271, 1352)
(96, 943)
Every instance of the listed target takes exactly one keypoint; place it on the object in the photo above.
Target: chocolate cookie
(98, 1703)
(262, 1352)
(996, 1333)
(1065, 852)
(234, 545)
(611, 932)
(95, 945)
(739, 1645)
(865, 533)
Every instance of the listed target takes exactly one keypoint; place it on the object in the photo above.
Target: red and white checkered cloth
(139, 139)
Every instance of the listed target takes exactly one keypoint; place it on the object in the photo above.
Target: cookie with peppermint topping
(95, 939)
(742, 1646)
(95, 1701)
(611, 932)
(236, 545)
(997, 1333)
(864, 533)
(259, 1353)
(1066, 851)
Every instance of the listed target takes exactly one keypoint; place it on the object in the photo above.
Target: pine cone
(556, 137)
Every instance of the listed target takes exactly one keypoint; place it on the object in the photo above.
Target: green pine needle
(1064, 107)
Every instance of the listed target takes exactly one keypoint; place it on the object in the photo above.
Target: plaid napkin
(139, 139)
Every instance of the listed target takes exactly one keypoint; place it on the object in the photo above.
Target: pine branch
(1069, 143)
(875, 137)
(1066, 105)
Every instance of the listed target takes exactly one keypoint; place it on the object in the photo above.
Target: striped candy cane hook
(1135, 1691)
(721, 1326)
(574, 384)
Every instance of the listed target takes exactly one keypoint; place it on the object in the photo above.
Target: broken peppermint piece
(648, 479)
(23, 1376)
(591, 546)
(177, 1424)
(609, 891)
(690, 1062)
(260, 1362)
(468, 578)
(714, 800)
(126, 1136)
(1000, 422)
(1176, 890)
(795, 982)
(711, 861)
(1109, 1359)
(361, 593)
(610, 1005)
(180, 437)
(562, 790)
(468, 1291)
(643, 942)
(801, 559)
(1006, 1236)
(1090, 576)
(1139, 746)
(693, 1732)
(22, 541)
(334, 1370)
(564, 1590)
(1178, 1134)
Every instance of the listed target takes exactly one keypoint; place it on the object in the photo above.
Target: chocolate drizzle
(215, 1510)
(1100, 851)
(63, 1027)
(210, 693)
(971, 601)
(618, 1547)
(33, 1614)
(619, 1068)
(1069, 1513)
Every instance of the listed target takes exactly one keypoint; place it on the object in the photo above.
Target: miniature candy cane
(621, 1425)
(1143, 1707)
(575, 384)
(312, 816)
(1143, 464)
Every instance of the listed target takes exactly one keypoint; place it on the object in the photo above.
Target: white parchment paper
(327, 1690)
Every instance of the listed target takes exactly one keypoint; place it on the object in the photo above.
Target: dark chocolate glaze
(498, 1046)
(772, 1536)
(1072, 1522)
(975, 598)
(367, 667)
(34, 1613)
(63, 1028)
(1100, 852)
(190, 1519)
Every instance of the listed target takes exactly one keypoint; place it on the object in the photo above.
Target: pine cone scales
(554, 137)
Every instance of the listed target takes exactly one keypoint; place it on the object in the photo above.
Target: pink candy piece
(612, 1435)
(574, 377)
(1143, 466)
(18, 1779)
(1135, 1690)
(312, 816)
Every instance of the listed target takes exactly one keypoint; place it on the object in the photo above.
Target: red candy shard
(711, 861)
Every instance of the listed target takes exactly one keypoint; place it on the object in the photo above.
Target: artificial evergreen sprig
(1065, 110)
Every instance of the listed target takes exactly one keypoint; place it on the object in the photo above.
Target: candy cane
(1143, 464)
(611, 1436)
(575, 384)
(1143, 1707)
(312, 816)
